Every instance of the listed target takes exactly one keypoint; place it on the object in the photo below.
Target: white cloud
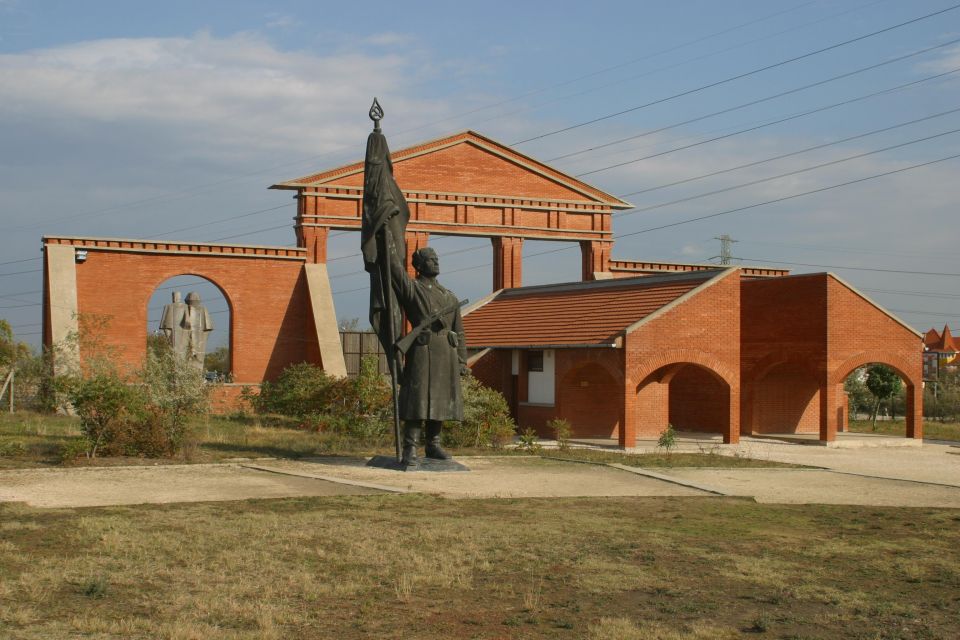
(223, 93)
(947, 60)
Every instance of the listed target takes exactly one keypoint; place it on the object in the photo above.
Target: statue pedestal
(426, 464)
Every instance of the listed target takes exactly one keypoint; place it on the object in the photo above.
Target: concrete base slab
(844, 440)
(423, 464)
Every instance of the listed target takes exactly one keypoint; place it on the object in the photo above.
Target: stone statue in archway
(186, 326)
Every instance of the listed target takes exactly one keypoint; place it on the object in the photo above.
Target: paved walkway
(928, 476)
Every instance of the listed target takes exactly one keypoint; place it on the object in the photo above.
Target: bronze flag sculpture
(385, 217)
(435, 350)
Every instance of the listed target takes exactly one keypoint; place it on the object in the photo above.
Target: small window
(535, 361)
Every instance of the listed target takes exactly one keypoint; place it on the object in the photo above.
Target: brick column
(415, 240)
(507, 262)
(828, 411)
(732, 434)
(914, 411)
(314, 239)
(595, 257)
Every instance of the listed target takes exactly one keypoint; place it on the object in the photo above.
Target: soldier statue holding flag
(435, 348)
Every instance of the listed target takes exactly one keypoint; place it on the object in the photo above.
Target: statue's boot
(411, 438)
(434, 450)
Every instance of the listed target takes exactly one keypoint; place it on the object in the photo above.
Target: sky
(817, 134)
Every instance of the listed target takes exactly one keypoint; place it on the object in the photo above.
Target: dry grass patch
(394, 566)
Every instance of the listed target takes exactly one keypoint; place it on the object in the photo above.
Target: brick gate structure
(468, 185)
(633, 347)
(280, 305)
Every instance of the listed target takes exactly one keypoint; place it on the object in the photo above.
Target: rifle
(403, 344)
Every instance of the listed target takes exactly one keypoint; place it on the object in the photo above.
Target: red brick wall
(269, 307)
(787, 401)
(588, 397)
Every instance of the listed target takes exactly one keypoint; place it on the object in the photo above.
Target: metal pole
(387, 288)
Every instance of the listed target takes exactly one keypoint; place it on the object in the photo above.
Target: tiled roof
(574, 314)
(944, 342)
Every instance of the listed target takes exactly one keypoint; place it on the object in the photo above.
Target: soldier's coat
(430, 387)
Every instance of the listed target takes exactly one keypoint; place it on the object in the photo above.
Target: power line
(794, 153)
(849, 268)
(17, 273)
(852, 250)
(784, 175)
(915, 294)
(774, 96)
(738, 76)
(674, 150)
(786, 198)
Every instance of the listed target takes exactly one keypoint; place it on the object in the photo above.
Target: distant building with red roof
(943, 344)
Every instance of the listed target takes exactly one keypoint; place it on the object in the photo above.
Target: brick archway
(208, 280)
(649, 408)
(684, 356)
(913, 382)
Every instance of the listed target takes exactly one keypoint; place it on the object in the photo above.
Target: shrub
(359, 408)
(562, 432)
(73, 449)
(175, 392)
(486, 418)
(668, 439)
(303, 390)
(103, 401)
(529, 441)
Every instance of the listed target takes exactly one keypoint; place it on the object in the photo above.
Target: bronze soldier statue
(435, 348)
(437, 356)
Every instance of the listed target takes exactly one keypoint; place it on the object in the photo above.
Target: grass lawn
(34, 440)
(932, 429)
(414, 566)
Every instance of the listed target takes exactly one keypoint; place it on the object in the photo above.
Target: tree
(883, 383)
(11, 351)
(218, 360)
(861, 400)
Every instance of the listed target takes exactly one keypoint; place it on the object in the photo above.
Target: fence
(356, 345)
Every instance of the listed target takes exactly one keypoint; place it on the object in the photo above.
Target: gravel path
(915, 477)
(94, 487)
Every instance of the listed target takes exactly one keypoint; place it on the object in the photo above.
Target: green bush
(105, 404)
(175, 392)
(486, 418)
(668, 439)
(358, 408)
(303, 390)
(562, 432)
(73, 449)
(529, 441)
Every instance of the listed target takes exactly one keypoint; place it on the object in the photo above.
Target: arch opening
(878, 398)
(214, 337)
(690, 397)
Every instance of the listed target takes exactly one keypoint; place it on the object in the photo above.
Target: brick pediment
(468, 164)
